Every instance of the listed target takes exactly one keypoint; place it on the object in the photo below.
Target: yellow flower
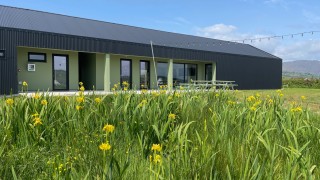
(79, 107)
(270, 101)
(279, 91)
(303, 98)
(37, 121)
(253, 108)
(257, 103)
(257, 95)
(105, 146)
(36, 96)
(280, 94)
(97, 100)
(80, 99)
(217, 95)
(9, 101)
(80, 83)
(172, 116)
(157, 158)
(251, 98)
(293, 103)
(144, 101)
(150, 158)
(297, 109)
(35, 115)
(144, 91)
(24, 83)
(125, 89)
(108, 128)
(231, 102)
(81, 88)
(156, 147)
(125, 83)
(113, 89)
(44, 102)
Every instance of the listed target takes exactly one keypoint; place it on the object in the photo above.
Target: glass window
(162, 71)
(190, 72)
(183, 73)
(178, 73)
(38, 57)
(125, 72)
(2, 54)
(208, 72)
(144, 74)
(60, 72)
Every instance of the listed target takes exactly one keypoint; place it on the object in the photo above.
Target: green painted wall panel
(115, 70)
(41, 79)
(100, 66)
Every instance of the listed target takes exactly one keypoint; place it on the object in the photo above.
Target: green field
(161, 135)
(311, 102)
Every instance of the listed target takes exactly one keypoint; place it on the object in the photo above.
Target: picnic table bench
(203, 84)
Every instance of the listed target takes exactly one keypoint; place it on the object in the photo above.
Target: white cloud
(302, 50)
(297, 48)
(219, 29)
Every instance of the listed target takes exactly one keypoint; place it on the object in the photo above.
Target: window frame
(37, 60)
(121, 79)
(4, 53)
(148, 78)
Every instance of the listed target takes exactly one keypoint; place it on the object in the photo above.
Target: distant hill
(301, 68)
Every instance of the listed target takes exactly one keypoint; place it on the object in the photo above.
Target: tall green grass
(202, 135)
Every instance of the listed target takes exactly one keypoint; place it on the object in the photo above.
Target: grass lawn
(312, 100)
(161, 135)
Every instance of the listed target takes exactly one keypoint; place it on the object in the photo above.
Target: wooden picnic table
(204, 84)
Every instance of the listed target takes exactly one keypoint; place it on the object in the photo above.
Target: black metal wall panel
(248, 71)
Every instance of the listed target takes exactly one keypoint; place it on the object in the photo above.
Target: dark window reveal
(37, 57)
(2, 54)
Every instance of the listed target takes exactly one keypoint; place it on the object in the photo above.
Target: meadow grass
(312, 100)
(160, 135)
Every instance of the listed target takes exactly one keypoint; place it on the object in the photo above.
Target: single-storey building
(55, 52)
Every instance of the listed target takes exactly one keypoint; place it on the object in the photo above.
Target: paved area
(65, 93)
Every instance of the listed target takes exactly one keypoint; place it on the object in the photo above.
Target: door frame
(67, 72)
(205, 71)
(130, 83)
(149, 73)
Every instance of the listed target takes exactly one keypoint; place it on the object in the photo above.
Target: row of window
(182, 73)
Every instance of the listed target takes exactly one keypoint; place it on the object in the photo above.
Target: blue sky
(228, 20)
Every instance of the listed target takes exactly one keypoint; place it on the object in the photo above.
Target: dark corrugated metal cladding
(8, 65)
(248, 71)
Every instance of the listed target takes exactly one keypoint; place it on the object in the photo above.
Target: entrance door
(60, 72)
(208, 72)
